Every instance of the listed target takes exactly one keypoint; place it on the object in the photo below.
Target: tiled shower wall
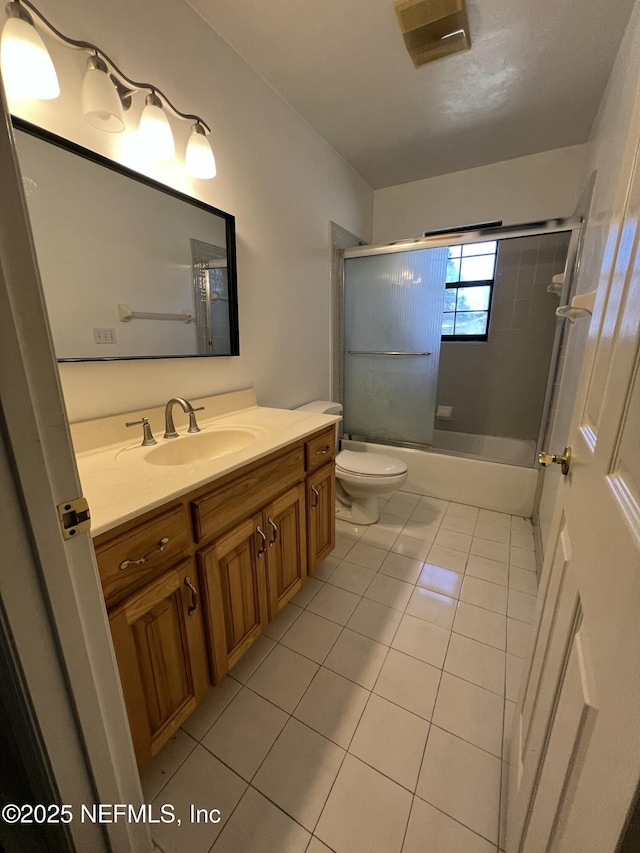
(497, 387)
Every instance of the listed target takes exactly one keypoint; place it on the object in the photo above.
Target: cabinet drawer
(320, 449)
(220, 508)
(126, 560)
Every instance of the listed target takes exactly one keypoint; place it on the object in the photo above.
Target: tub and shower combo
(448, 353)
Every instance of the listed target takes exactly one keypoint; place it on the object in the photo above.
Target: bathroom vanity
(196, 557)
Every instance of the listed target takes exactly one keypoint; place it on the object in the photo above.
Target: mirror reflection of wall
(115, 258)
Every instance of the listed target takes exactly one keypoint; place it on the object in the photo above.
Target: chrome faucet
(169, 427)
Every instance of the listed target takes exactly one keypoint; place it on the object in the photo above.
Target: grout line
(504, 717)
(173, 773)
(344, 757)
(464, 739)
(240, 798)
(262, 794)
(475, 683)
(424, 752)
(413, 799)
(459, 822)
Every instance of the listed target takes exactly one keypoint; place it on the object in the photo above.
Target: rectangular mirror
(130, 268)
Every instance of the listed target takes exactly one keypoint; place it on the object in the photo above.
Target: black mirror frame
(230, 231)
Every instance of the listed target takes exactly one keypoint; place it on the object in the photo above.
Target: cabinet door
(232, 574)
(321, 524)
(287, 551)
(159, 644)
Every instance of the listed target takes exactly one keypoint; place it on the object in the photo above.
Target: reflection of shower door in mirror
(392, 329)
(211, 298)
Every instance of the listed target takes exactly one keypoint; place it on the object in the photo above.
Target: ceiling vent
(433, 29)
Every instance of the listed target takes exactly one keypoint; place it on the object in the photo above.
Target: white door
(575, 750)
(52, 604)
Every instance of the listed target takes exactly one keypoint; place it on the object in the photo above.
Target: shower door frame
(455, 238)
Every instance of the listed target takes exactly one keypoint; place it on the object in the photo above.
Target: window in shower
(469, 284)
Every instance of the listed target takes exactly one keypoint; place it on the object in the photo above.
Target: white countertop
(120, 484)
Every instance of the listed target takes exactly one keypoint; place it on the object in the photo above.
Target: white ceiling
(532, 80)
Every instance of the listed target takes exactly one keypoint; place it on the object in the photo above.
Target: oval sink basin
(200, 447)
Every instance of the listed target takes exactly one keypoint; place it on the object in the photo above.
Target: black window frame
(459, 284)
(477, 283)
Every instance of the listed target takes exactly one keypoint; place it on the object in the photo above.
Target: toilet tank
(325, 407)
(321, 407)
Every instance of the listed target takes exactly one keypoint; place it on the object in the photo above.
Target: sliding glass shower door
(392, 329)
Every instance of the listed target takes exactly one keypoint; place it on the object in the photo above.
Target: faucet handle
(193, 426)
(147, 435)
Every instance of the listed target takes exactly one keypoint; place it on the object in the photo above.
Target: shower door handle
(383, 352)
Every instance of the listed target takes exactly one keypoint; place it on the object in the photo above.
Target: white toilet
(361, 476)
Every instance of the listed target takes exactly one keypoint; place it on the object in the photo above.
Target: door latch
(75, 517)
(564, 461)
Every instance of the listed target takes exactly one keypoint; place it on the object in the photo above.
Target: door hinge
(74, 517)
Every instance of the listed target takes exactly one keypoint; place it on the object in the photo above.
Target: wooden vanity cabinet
(159, 644)
(190, 586)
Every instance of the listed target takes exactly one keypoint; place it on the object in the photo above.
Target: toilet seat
(369, 464)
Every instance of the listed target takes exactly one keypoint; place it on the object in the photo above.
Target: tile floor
(373, 715)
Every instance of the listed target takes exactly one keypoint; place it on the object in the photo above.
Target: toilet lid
(369, 464)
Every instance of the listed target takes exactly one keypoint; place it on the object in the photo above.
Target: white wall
(612, 150)
(275, 174)
(527, 189)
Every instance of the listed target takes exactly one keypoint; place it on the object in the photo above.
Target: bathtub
(493, 448)
(491, 485)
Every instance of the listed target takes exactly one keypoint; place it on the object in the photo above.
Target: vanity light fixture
(27, 70)
(101, 104)
(199, 157)
(155, 130)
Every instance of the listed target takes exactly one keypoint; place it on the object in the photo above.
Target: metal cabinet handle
(194, 595)
(264, 541)
(316, 495)
(274, 528)
(323, 451)
(157, 550)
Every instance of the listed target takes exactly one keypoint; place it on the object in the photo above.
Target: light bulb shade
(27, 69)
(155, 131)
(199, 157)
(101, 104)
